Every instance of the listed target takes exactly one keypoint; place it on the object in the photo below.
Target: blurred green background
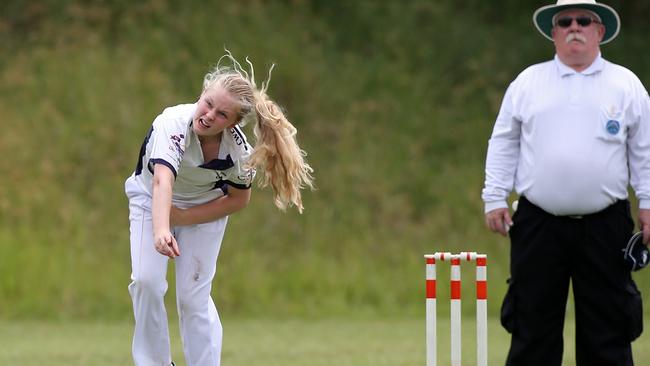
(394, 102)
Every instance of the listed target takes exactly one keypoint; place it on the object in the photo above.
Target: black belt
(618, 205)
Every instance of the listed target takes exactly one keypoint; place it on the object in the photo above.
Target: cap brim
(543, 18)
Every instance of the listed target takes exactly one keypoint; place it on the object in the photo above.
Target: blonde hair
(276, 152)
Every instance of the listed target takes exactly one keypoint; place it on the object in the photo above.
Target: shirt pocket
(611, 126)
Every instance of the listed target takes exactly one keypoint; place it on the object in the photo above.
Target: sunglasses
(583, 21)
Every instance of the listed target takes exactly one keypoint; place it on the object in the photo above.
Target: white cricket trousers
(200, 326)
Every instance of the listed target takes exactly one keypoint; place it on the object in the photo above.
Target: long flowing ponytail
(278, 155)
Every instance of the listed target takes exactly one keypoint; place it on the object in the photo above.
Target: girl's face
(217, 110)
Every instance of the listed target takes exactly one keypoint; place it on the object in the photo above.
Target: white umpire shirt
(171, 141)
(570, 141)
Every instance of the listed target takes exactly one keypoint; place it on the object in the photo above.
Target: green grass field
(394, 103)
(289, 342)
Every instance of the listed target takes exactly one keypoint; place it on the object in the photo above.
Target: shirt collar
(595, 67)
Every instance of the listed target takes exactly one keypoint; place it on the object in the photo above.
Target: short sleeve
(241, 175)
(167, 143)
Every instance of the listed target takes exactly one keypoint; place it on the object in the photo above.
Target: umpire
(571, 135)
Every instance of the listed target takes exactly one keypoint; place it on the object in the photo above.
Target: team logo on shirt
(612, 127)
(176, 141)
(247, 176)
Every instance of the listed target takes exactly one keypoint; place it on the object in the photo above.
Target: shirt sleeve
(502, 154)
(241, 175)
(638, 144)
(167, 143)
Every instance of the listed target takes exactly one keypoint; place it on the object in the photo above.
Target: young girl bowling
(195, 168)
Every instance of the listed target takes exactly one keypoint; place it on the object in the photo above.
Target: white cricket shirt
(570, 141)
(171, 141)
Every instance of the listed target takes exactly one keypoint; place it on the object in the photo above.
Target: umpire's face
(577, 34)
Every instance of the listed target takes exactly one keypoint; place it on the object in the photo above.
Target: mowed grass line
(290, 342)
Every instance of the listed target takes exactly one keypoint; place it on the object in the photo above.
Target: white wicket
(455, 310)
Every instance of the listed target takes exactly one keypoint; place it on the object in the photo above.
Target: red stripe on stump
(481, 261)
(431, 261)
(431, 289)
(455, 290)
(481, 290)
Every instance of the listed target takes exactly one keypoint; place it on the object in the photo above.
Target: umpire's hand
(644, 224)
(499, 221)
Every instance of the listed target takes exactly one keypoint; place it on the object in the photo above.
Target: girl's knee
(148, 286)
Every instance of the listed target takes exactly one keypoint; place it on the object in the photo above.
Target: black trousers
(548, 252)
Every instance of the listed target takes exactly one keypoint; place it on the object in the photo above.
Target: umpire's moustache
(575, 36)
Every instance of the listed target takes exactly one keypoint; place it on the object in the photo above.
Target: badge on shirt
(176, 141)
(613, 127)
